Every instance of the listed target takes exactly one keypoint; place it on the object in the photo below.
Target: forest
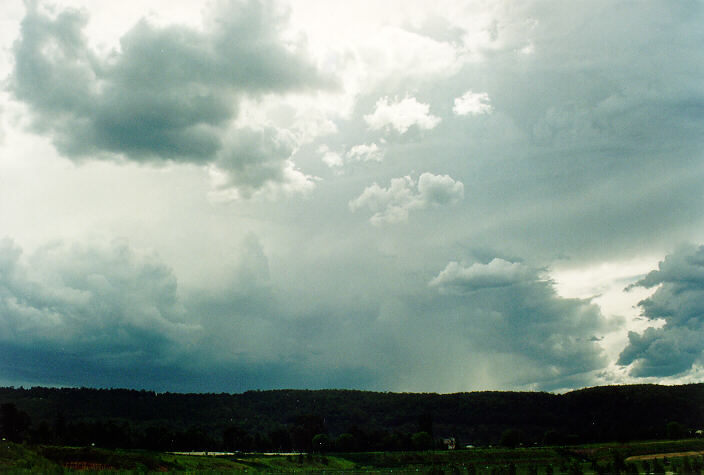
(346, 420)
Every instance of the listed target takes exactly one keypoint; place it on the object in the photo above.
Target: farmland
(681, 456)
(624, 429)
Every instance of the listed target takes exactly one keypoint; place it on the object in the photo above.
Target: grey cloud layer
(497, 273)
(510, 309)
(107, 315)
(88, 306)
(679, 301)
(253, 158)
(593, 144)
(169, 93)
(575, 130)
(80, 314)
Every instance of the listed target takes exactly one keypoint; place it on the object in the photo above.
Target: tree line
(345, 420)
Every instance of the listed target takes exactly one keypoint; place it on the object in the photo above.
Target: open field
(692, 453)
(683, 456)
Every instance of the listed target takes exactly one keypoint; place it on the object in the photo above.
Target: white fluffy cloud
(472, 103)
(330, 157)
(366, 153)
(392, 204)
(359, 153)
(401, 115)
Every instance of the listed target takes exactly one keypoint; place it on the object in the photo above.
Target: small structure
(449, 442)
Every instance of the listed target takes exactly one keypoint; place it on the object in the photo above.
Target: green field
(598, 459)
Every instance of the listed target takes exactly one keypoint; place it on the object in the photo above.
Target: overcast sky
(401, 196)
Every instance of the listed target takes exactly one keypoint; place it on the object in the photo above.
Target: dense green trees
(345, 443)
(422, 441)
(13, 422)
(288, 420)
(321, 443)
(512, 438)
(675, 430)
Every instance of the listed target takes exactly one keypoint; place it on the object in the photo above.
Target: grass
(596, 458)
(15, 458)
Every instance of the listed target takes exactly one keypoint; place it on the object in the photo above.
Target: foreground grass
(16, 458)
(588, 459)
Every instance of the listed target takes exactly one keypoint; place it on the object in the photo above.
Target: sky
(394, 196)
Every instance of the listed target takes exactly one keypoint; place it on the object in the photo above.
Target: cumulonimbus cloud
(91, 302)
(392, 204)
(94, 313)
(511, 308)
(679, 300)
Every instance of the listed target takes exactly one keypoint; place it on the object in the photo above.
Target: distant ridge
(276, 418)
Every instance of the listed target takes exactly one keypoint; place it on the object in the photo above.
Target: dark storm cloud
(168, 93)
(497, 273)
(253, 158)
(109, 315)
(66, 307)
(257, 335)
(679, 301)
(509, 308)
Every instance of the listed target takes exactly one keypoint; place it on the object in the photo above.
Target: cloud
(498, 273)
(108, 315)
(253, 160)
(508, 308)
(408, 54)
(388, 333)
(678, 301)
(101, 305)
(366, 153)
(167, 94)
(329, 157)
(439, 190)
(359, 153)
(401, 115)
(392, 204)
(472, 103)
(562, 166)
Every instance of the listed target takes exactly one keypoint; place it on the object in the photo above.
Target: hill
(289, 419)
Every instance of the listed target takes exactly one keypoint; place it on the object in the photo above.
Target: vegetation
(345, 421)
(587, 459)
